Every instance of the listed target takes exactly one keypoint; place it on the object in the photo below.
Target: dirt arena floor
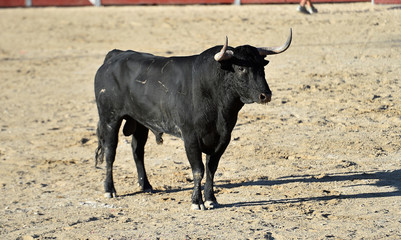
(321, 161)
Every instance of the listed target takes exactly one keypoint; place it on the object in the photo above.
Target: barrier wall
(40, 3)
(127, 2)
(180, 2)
(12, 3)
(43, 3)
(387, 1)
(297, 1)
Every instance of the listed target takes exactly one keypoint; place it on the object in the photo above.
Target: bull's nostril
(264, 98)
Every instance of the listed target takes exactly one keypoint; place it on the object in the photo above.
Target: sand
(321, 161)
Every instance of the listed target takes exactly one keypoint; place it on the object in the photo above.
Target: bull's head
(247, 64)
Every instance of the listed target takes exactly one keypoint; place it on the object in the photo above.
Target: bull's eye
(242, 69)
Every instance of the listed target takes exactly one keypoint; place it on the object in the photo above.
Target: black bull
(196, 98)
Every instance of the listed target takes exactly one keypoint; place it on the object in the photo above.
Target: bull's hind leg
(109, 134)
(139, 139)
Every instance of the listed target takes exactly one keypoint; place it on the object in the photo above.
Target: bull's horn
(224, 54)
(276, 50)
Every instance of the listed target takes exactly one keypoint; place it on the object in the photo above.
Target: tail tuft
(99, 153)
(99, 156)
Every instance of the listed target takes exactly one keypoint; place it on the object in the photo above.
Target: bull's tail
(111, 54)
(99, 153)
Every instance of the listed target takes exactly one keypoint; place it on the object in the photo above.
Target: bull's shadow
(384, 178)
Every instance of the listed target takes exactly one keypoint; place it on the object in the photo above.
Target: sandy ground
(321, 161)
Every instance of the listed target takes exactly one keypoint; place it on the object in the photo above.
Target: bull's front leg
(195, 159)
(212, 162)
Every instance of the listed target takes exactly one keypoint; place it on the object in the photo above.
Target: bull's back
(152, 90)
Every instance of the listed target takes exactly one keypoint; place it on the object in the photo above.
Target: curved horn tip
(224, 54)
(276, 50)
(289, 40)
(226, 42)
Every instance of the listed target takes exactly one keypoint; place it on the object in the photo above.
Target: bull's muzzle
(265, 97)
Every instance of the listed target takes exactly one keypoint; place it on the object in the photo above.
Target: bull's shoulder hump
(116, 55)
(113, 53)
(135, 54)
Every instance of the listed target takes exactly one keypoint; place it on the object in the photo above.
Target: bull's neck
(230, 99)
(223, 96)
(213, 90)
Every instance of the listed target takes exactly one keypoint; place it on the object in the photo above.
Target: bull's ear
(227, 65)
(265, 62)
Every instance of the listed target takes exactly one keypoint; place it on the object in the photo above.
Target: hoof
(211, 204)
(110, 195)
(198, 207)
(148, 190)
